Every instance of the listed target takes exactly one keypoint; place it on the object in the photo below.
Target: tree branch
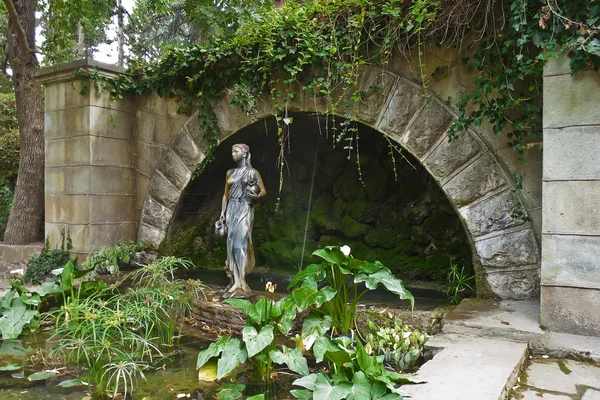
(16, 23)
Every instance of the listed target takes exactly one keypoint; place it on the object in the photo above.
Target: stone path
(554, 379)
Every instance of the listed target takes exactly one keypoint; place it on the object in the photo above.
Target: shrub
(111, 259)
(40, 268)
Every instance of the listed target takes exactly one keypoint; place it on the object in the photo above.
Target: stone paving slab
(468, 367)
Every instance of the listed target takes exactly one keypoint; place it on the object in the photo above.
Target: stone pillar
(570, 298)
(90, 182)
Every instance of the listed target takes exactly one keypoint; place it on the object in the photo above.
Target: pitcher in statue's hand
(243, 185)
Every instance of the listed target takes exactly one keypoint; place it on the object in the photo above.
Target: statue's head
(239, 152)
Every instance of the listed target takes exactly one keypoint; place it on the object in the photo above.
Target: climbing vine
(322, 47)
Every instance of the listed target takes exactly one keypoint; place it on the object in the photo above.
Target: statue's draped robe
(239, 218)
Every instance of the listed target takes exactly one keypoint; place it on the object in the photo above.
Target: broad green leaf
(286, 311)
(301, 394)
(247, 308)
(47, 288)
(390, 282)
(11, 367)
(368, 364)
(67, 276)
(326, 349)
(256, 397)
(315, 271)
(232, 356)
(257, 341)
(308, 295)
(361, 387)
(332, 254)
(325, 390)
(70, 383)
(378, 390)
(39, 376)
(231, 391)
(293, 358)
(213, 350)
(7, 299)
(14, 319)
(314, 327)
(390, 396)
(208, 372)
(34, 300)
(307, 382)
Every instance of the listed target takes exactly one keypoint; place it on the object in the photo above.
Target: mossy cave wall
(406, 222)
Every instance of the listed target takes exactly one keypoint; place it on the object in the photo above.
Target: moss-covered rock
(353, 228)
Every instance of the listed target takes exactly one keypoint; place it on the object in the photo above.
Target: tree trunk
(80, 49)
(120, 34)
(26, 216)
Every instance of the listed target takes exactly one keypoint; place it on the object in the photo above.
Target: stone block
(77, 179)
(515, 284)
(230, 118)
(152, 103)
(529, 169)
(572, 207)
(111, 123)
(67, 123)
(175, 170)
(150, 235)
(112, 152)
(571, 153)
(79, 234)
(12, 255)
(103, 99)
(30, 251)
(148, 157)
(491, 214)
(288, 96)
(508, 250)
(163, 191)
(54, 181)
(196, 133)
(569, 260)
(375, 85)
(448, 156)
(405, 101)
(142, 183)
(107, 235)
(478, 179)
(62, 95)
(431, 123)
(536, 222)
(111, 180)
(71, 209)
(166, 128)
(110, 209)
(557, 66)
(571, 100)
(145, 124)
(570, 310)
(156, 215)
(187, 149)
(68, 151)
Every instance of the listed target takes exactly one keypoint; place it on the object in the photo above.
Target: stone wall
(570, 300)
(16, 257)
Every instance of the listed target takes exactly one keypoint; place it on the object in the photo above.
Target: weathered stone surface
(591, 394)
(571, 100)
(111, 123)
(571, 260)
(571, 153)
(433, 122)
(67, 180)
(163, 191)
(175, 170)
(68, 151)
(515, 284)
(142, 184)
(166, 128)
(537, 395)
(103, 99)
(145, 124)
(528, 166)
(111, 180)
(557, 66)
(448, 157)
(150, 235)
(111, 209)
(547, 375)
(148, 157)
(106, 235)
(375, 84)
(77, 232)
(476, 180)
(572, 207)
(62, 95)
(187, 149)
(108, 151)
(405, 101)
(66, 123)
(156, 215)
(491, 214)
(67, 208)
(16, 257)
(568, 309)
(510, 250)
(230, 118)
(290, 96)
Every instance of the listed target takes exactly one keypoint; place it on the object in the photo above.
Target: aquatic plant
(458, 283)
(111, 259)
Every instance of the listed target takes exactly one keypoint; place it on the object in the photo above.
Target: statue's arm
(261, 185)
(225, 194)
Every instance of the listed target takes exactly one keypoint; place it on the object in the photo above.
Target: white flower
(346, 250)
(18, 271)
(57, 271)
(270, 287)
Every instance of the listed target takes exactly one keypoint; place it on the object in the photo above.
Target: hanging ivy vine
(322, 46)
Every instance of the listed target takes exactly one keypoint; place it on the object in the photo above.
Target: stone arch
(505, 251)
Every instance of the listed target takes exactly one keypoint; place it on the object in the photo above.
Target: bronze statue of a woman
(243, 185)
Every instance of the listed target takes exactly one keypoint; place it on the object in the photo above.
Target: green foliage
(342, 275)
(113, 336)
(9, 155)
(41, 267)
(110, 259)
(401, 344)
(458, 283)
(19, 311)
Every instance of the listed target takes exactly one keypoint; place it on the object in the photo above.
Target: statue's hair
(246, 150)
